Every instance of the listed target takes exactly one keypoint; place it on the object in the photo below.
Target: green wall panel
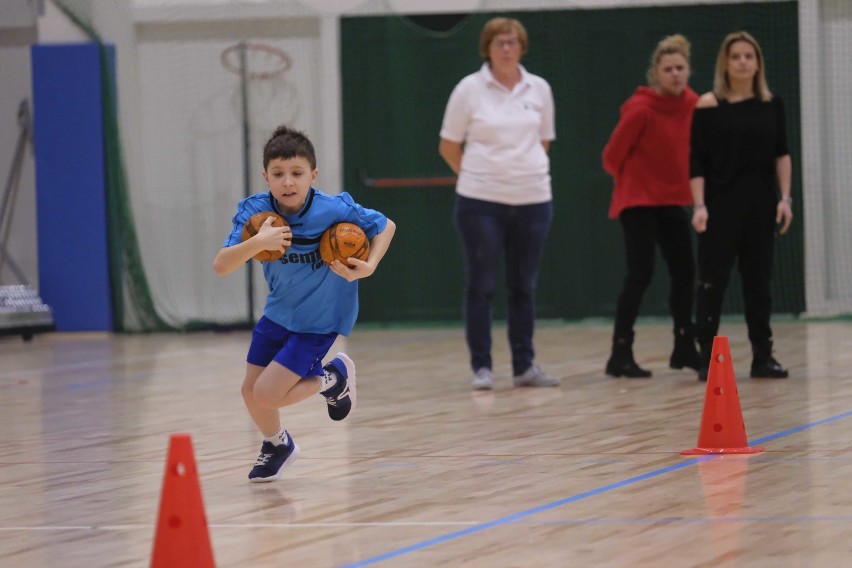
(397, 76)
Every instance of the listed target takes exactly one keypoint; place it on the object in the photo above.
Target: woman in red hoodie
(648, 155)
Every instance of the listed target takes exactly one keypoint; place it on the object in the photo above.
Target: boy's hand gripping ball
(253, 225)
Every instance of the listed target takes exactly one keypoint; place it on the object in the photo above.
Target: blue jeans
(519, 232)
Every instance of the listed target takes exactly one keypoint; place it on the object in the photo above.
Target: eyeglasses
(501, 43)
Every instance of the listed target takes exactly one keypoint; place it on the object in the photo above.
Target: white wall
(55, 27)
(825, 45)
(17, 33)
(187, 9)
(826, 42)
(22, 24)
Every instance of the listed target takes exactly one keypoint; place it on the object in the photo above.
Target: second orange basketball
(342, 241)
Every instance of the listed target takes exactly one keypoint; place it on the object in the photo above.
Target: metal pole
(14, 171)
(246, 161)
(11, 189)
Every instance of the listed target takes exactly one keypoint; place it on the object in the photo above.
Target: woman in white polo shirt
(496, 132)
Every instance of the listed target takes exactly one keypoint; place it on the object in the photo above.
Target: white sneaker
(483, 379)
(535, 377)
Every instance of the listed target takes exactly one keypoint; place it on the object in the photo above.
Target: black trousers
(741, 229)
(644, 229)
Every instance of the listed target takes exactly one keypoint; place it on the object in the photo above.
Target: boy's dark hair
(286, 143)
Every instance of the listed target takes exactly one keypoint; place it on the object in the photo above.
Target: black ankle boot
(764, 365)
(685, 354)
(621, 363)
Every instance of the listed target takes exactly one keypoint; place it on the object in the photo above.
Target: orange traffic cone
(722, 427)
(182, 538)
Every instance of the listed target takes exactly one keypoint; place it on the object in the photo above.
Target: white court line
(670, 520)
(244, 526)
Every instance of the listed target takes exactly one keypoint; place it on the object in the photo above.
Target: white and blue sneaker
(341, 397)
(273, 460)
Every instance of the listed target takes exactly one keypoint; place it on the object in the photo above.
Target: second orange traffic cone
(722, 428)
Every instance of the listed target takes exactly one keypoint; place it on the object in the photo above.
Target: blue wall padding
(73, 261)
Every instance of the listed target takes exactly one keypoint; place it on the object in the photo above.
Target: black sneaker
(273, 460)
(341, 397)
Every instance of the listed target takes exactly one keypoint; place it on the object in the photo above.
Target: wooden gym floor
(426, 472)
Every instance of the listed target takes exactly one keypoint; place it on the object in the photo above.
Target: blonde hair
(721, 84)
(673, 44)
(497, 26)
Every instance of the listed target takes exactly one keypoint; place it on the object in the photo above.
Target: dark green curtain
(397, 75)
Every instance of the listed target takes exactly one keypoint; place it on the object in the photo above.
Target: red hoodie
(648, 152)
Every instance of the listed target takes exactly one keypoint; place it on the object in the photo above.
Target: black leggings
(744, 230)
(644, 227)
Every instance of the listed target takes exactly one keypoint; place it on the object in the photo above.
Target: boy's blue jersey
(305, 295)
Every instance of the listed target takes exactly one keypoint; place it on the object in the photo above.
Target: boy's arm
(380, 243)
(228, 259)
(363, 268)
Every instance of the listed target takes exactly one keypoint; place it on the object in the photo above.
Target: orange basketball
(251, 228)
(342, 241)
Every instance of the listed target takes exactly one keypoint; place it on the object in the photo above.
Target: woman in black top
(740, 172)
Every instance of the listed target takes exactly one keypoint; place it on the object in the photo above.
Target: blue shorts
(302, 353)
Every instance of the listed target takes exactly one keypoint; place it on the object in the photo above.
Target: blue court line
(578, 497)
(690, 520)
(783, 433)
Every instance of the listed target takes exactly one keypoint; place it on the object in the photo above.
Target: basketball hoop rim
(287, 61)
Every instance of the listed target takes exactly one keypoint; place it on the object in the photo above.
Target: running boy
(309, 303)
